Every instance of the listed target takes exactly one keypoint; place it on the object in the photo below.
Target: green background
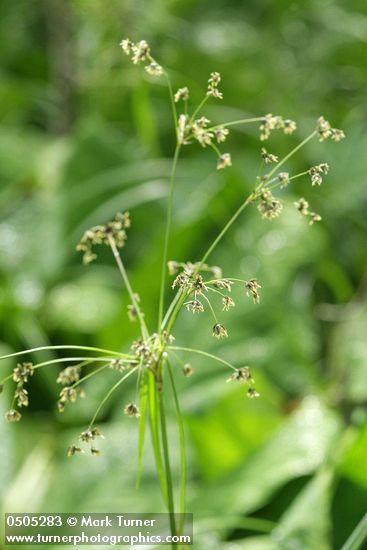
(84, 134)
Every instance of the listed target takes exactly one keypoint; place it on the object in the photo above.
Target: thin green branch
(291, 153)
(62, 360)
(167, 235)
(125, 278)
(200, 352)
(167, 465)
(182, 449)
(235, 123)
(108, 395)
(84, 348)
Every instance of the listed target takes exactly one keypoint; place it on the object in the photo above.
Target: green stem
(292, 152)
(108, 395)
(182, 450)
(235, 123)
(210, 307)
(61, 360)
(93, 373)
(85, 348)
(154, 431)
(125, 278)
(167, 465)
(198, 108)
(167, 235)
(199, 352)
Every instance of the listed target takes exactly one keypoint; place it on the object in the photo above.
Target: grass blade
(358, 537)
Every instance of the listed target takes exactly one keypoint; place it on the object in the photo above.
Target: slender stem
(235, 123)
(171, 307)
(85, 348)
(200, 352)
(167, 465)
(182, 449)
(167, 234)
(61, 360)
(154, 431)
(291, 153)
(125, 278)
(89, 375)
(107, 396)
(198, 108)
(210, 307)
(173, 105)
(224, 231)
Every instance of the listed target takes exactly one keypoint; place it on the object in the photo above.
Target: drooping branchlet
(98, 235)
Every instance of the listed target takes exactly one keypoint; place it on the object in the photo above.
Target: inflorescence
(195, 283)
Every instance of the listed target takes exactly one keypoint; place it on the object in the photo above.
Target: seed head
(251, 393)
(73, 450)
(187, 370)
(227, 303)
(22, 372)
(268, 157)
(181, 94)
(12, 416)
(140, 52)
(314, 218)
(181, 281)
(219, 331)
(283, 178)
(223, 284)
(118, 365)
(302, 206)
(21, 397)
(195, 306)
(221, 134)
(269, 207)
(224, 161)
(252, 287)
(69, 375)
(154, 69)
(132, 410)
(242, 375)
(126, 45)
(213, 82)
(173, 267)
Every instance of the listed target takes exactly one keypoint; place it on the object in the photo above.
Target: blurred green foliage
(85, 134)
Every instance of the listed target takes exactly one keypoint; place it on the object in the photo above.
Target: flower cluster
(181, 94)
(275, 122)
(243, 376)
(269, 207)
(268, 157)
(325, 131)
(192, 285)
(213, 82)
(20, 376)
(140, 51)
(99, 235)
(87, 437)
(303, 207)
(316, 173)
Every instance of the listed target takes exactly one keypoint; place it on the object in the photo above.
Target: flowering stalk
(152, 356)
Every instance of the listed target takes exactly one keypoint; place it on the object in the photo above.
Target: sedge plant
(154, 357)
